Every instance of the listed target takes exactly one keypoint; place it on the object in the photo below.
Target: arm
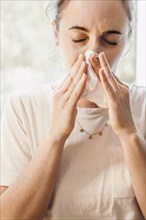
(33, 189)
(29, 196)
(134, 147)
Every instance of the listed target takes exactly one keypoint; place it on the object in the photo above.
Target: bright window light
(141, 47)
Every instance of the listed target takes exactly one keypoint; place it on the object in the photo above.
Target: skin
(104, 18)
(47, 159)
(100, 22)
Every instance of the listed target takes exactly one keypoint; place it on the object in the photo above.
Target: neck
(86, 104)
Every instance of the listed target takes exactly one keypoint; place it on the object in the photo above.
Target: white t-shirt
(93, 181)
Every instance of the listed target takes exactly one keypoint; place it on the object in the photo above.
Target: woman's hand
(118, 99)
(65, 98)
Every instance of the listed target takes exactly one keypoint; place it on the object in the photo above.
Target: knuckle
(56, 94)
(72, 86)
(104, 80)
(71, 78)
(127, 91)
(110, 89)
(71, 74)
(111, 79)
(71, 105)
(76, 94)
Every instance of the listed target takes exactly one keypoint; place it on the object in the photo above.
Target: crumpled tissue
(94, 91)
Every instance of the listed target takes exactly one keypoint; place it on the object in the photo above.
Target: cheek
(69, 53)
(114, 57)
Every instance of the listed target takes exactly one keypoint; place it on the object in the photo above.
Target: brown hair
(56, 7)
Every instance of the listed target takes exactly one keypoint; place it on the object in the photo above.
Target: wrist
(129, 134)
(51, 144)
(55, 139)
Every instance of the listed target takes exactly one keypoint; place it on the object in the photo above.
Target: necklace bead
(100, 133)
(81, 130)
(90, 136)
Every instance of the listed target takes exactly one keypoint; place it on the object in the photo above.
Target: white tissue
(94, 91)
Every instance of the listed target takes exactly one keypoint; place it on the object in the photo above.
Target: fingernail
(84, 75)
(103, 54)
(80, 56)
(83, 63)
(95, 59)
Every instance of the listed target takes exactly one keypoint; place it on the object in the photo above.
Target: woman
(50, 169)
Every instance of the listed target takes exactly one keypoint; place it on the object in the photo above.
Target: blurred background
(28, 54)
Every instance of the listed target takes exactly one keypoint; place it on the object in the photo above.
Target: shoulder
(137, 93)
(138, 106)
(138, 98)
(33, 97)
(33, 104)
(29, 103)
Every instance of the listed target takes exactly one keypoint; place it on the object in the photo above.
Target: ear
(56, 37)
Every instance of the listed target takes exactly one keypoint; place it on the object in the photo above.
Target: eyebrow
(79, 28)
(87, 30)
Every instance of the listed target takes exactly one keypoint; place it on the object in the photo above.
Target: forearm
(134, 147)
(29, 196)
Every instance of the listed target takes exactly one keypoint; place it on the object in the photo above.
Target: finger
(119, 81)
(75, 68)
(75, 96)
(76, 80)
(65, 85)
(95, 64)
(106, 85)
(83, 69)
(95, 60)
(72, 73)
(105, 66)
(64, 81)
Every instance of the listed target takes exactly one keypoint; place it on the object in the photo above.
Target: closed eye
(110, 42)
(78, 41)
(103, 39)
(112, 39)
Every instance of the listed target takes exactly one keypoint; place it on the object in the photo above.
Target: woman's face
(100, 26)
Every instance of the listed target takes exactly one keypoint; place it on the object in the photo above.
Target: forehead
(95, 14)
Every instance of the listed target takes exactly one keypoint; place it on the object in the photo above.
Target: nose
(95, 45)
